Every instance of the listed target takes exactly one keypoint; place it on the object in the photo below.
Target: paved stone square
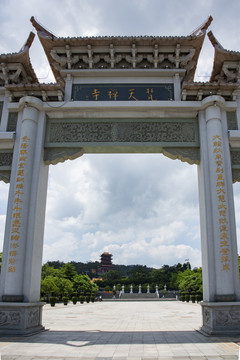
(152, 330)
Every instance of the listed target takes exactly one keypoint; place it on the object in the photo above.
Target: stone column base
(20, 318)
(220, 318)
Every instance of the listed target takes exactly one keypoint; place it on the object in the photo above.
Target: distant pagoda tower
(105, 263)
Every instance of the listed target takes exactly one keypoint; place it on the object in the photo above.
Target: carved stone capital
(55, 155)
(190, 155)
(5, 176)
(235, 175)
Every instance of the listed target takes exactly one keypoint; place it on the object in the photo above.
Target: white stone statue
(122, 289)
(131, 289)
(148, 289)
(140, 289)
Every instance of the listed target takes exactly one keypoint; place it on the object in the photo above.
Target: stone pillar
(23, 242)
(68, 88)
(221, 291)
(177, 87)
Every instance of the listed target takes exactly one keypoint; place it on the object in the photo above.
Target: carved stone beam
(185, 61)
(69, 55)
(70, 58)
(234, 95)
(232, 71)
(155, 59)
(174, 58)
(10, 96)
(60, 95)
(199, 95)
(15, 76)
(134, 59)
(112, 59)
(90, 59)
(44, 95)
(184, 95)
(4, 74)
(11, 73)
(61, 61)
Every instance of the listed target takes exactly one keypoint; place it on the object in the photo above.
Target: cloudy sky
(141, 208)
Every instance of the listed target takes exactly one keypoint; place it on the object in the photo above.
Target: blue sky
(141, 208)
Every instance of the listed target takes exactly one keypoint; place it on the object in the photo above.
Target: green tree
(68, 271)
(48, 286)
(140, 275)
(112, 276)
(190, 281)
(65, 286)
(82, 284)
(49, 270)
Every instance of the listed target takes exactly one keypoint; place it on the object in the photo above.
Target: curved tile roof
(50, 43)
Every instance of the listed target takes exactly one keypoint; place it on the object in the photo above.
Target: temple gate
(119, 95)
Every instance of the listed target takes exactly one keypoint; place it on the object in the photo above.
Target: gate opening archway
(119, 95)
(142, 208)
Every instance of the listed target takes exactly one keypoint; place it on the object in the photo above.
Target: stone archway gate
(119, 95)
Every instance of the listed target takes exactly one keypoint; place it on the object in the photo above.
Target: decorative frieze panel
(1, 108)
(12, 121)
(33, 317)
(235, 158)
(5, 165)
(171, 131)
(10, 318)
(227, 318)
(232, 120)
(6, 158)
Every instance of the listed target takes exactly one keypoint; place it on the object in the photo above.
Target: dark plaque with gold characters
(122, 92)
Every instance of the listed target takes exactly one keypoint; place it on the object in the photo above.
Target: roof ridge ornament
(29, 42)
(41, 29)
(203, 27)
(214, 41)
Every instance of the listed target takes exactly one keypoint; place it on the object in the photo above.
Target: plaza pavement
(153, 330)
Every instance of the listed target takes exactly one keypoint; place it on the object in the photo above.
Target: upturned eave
(221, 56)
(22, 57)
